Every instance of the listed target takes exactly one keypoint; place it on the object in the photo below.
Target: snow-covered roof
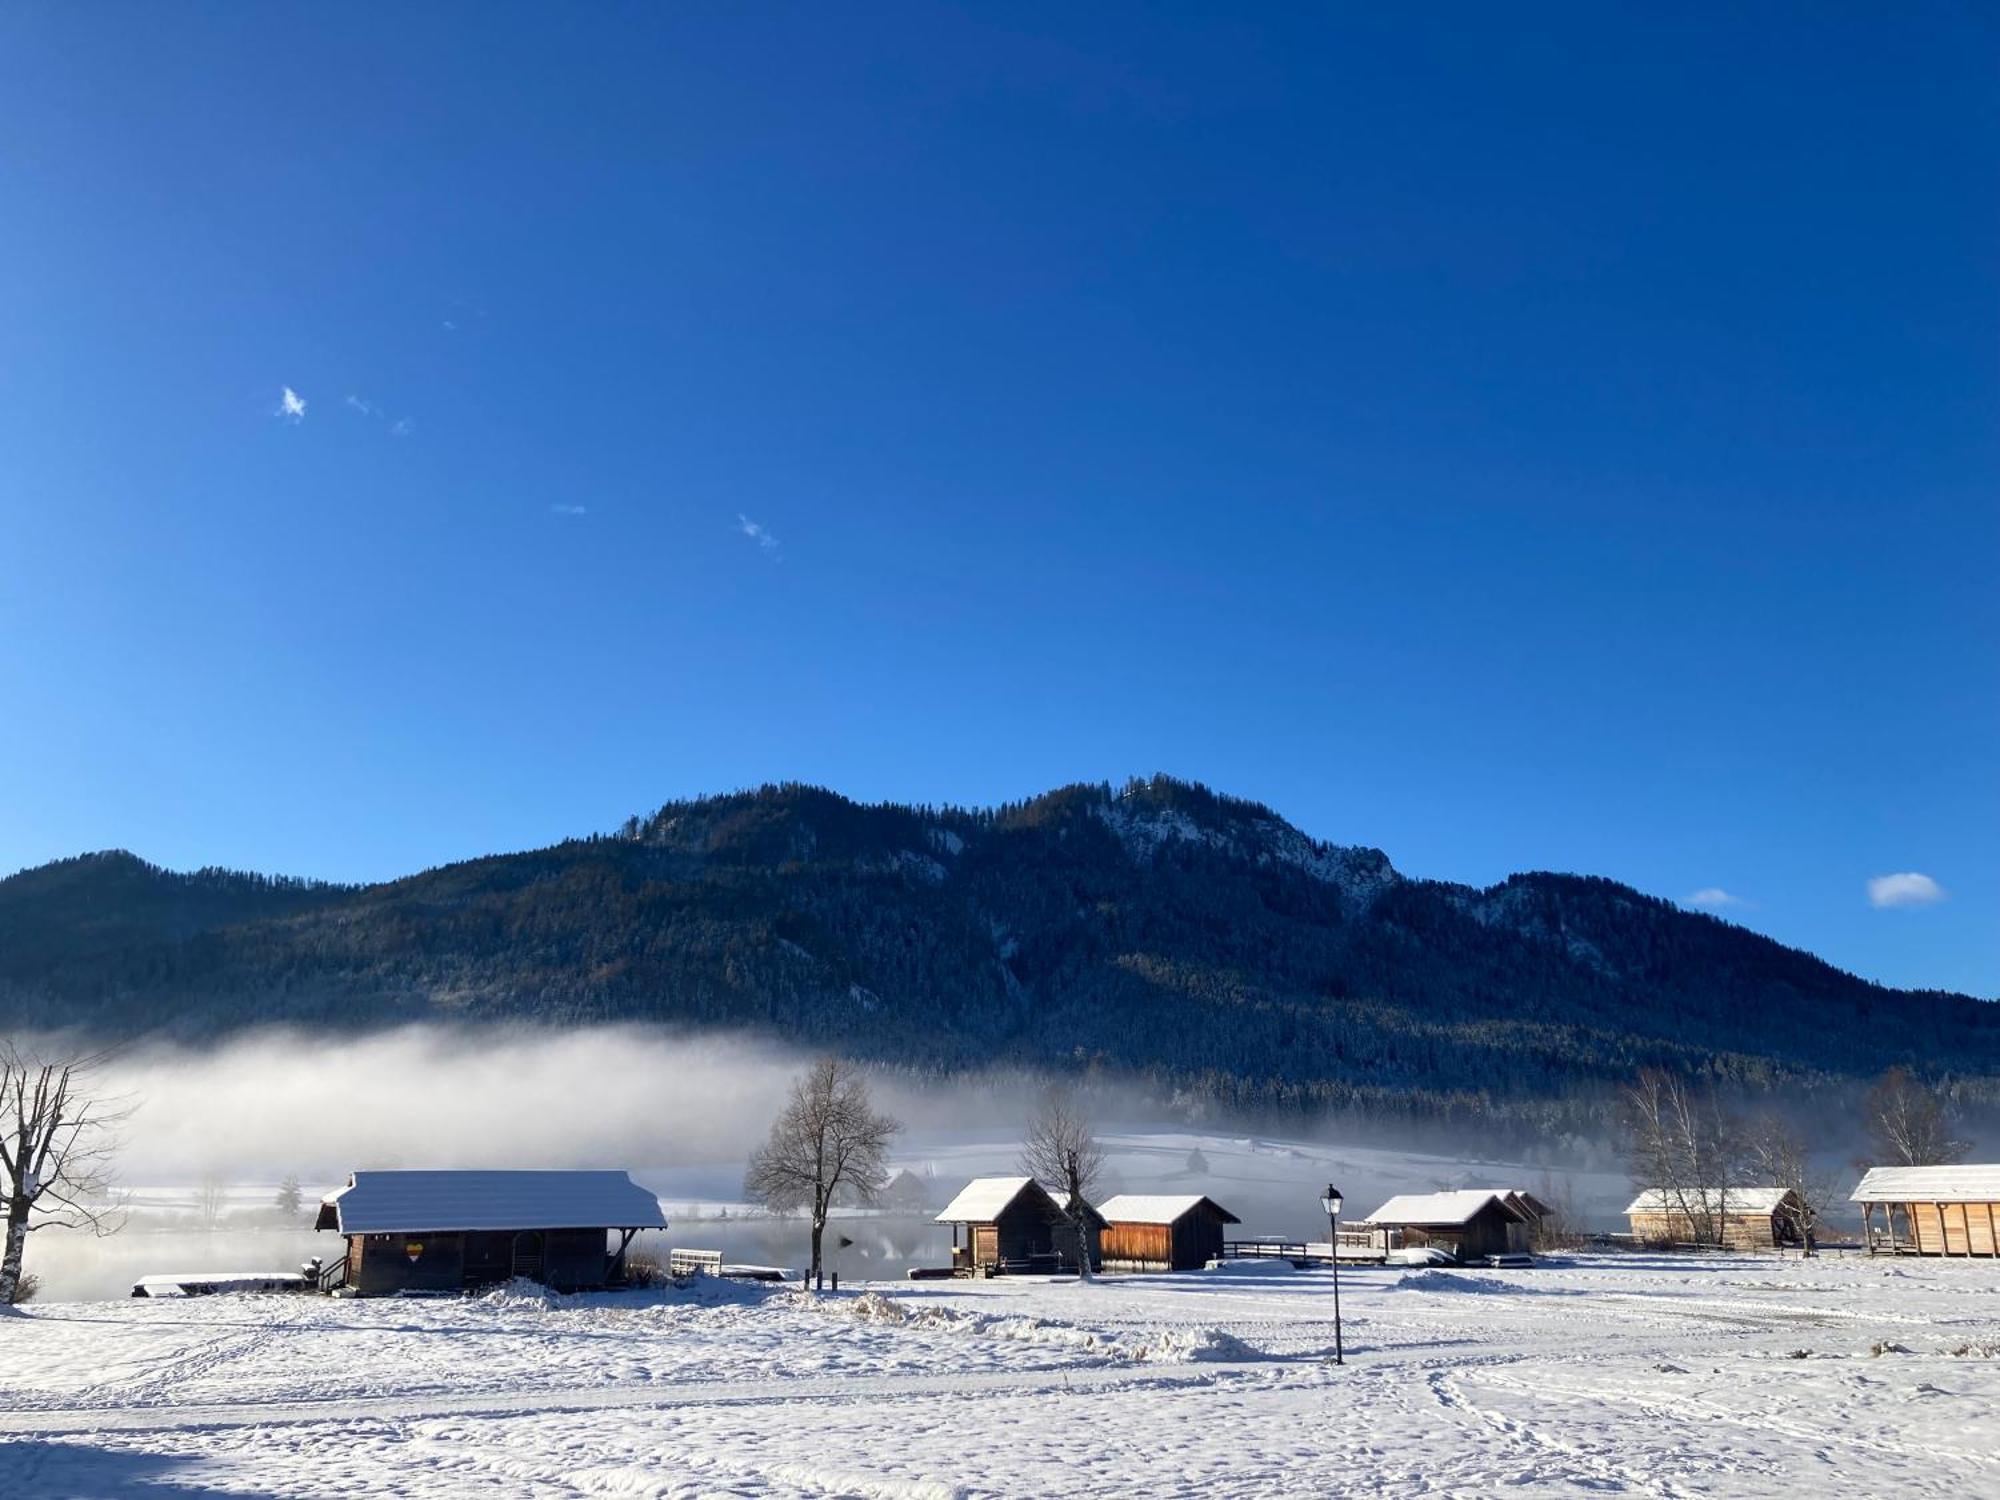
(1736, 1200)
(1158, 1208)
(1457, 1207)
(401, 1202)
(1963, 1184)
(984, 1199)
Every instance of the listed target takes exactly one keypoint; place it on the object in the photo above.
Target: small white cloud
(1905, 889)
(402, 427)
(366, 408)
(569, 510)
(1714, 898)
(449, 326)
(757, 532)
(291, 406)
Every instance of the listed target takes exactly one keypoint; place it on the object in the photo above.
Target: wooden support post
(1889, 1213)
(1992, 1237)
(1868, 1226)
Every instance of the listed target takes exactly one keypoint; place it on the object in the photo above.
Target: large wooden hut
(1737, 1218)
(1145, 1232)
(1932, 1210)
(1008, 1224)
(436, 1231)
(1465, 1223)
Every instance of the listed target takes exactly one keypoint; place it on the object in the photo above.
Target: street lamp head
(1331, 1202)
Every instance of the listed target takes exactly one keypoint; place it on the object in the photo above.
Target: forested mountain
(1158, 931)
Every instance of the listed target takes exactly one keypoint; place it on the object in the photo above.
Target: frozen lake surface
(1648, 1375)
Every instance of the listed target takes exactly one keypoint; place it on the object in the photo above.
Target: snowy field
(1647, 1375)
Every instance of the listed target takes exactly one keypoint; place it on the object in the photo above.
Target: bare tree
(57, 1138)
(1682, 1144)
(1909, 1123)
(1558, 1227)
(828, 1145)
(211, 1197)
(1062, 1153)
(1778, 1154)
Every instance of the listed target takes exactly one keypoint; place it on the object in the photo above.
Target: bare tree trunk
(17, 1244)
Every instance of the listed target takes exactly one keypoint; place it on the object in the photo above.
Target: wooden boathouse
(1931, 1210)
(445, 1231)
(1737, 1218)
(1144, 1232)
(1466, 1223)
(1011, 1224)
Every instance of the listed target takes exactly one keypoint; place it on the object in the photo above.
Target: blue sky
(1559, 442)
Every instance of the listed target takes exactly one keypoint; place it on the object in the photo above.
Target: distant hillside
(1159, 931)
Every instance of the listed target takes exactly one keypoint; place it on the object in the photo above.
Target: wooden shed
(1737, 1218)
(1467, 1222)
(1932, 1210)
(1009, 1224)
(442, 1231)
(1162, 1233)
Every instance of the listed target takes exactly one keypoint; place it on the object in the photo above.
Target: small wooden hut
(1466, 1223)
(436, 1231)
(1162, 1233)
(1009, 1224)
(1737, 1218)
(1942, 1210)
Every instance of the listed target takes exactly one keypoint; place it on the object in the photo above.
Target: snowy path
(1644, 1376)
(868, 1388)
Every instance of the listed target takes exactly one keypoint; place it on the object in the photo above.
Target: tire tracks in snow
(160, 1417)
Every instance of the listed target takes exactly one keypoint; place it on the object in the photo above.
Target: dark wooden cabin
(1009, 1224)
(1144, 1232)
(436, 1231)
(1466, 1223)
(1931, 1210)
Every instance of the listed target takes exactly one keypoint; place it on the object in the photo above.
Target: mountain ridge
(1160, 931)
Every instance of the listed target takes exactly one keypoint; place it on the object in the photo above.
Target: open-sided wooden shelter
(438, 1231)
(1010, 1224)
(1144, 1232)
(1737, 1218)
(1466, 1223)
(1932, 1210)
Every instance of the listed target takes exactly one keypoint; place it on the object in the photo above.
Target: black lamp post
(1331, 1203)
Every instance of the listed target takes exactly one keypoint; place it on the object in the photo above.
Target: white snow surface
(390, 1202)
(1970, 1183)
(1456, 1207)
(1154, 1208)
(1650, 1375)
(1742, 1200)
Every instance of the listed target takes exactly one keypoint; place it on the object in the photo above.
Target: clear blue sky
(1560, 441)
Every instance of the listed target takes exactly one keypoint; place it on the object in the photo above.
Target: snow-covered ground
(1662, 1376)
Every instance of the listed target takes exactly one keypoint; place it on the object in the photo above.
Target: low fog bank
(214, 1132)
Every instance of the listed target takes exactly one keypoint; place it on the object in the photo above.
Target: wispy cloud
(401, 427)
(569, 510)
(758, 532)
(291, 406)
(1715, 898)
(1905, 889)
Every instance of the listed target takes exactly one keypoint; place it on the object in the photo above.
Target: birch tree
(57, 1138)
(1909, 1123)
(827, 1146)
(1779, 1154)
(1681, 1143)
(1062, 1153)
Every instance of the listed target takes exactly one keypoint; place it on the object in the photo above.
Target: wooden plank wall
(1954, 1228)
